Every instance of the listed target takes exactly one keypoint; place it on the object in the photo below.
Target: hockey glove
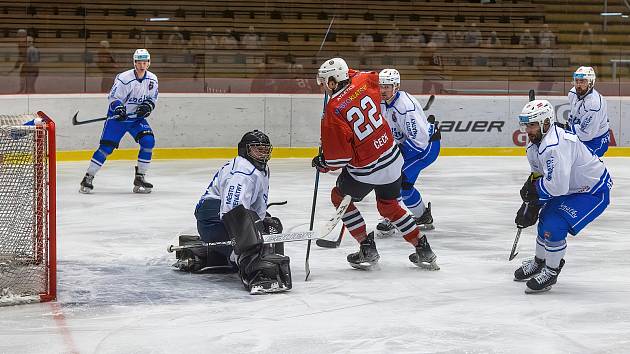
(272, 225)
(319, 162)
(120, 112)
(527, 215)
(144, 109)
(529, 193)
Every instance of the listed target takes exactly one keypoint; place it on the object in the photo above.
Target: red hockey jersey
(355, 134)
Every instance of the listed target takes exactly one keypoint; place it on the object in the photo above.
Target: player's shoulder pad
(126, 77)
(551, 140)
(243, 167)
(406, 103)
(151, 76)
(593, 101)
(566, 135)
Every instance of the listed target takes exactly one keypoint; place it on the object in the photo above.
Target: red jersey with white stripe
(356, 136)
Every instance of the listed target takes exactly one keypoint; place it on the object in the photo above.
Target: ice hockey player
(131, 101)
(233, 211)
(588, 118)
(356, 138)
(568, 184)
(419, 142)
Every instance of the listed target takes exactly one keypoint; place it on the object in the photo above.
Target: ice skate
(424, 256)
(425, 221)
(140, 185)
(367, 256)
(267, 286)
(544, 280)
(385, 229)
(530, 268)
(86, 184)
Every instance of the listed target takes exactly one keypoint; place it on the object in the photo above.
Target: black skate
(424, 256)
(530, 268)
(544, 280)
(425, 221)
(367, 255)
(265, 285)
(86, 184)
(140, 185)
(385, 229)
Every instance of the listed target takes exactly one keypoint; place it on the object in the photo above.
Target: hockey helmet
(141, 55)
(537, 111)
(585, 72)
(256, 148)
(335, 68)
(389, 77)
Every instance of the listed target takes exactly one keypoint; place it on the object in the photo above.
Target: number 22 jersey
(356, 136)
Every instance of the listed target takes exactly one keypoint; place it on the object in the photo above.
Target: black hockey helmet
(256, 148)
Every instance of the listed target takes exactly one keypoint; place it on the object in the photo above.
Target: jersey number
(362, 129)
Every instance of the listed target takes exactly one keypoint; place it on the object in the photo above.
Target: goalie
(231, 218)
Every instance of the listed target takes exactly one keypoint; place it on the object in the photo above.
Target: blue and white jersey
(239, 182)
(132, 91)
(588, 118)
(408, 123)
(567, 166)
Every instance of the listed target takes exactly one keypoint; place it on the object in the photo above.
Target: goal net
(27, 209)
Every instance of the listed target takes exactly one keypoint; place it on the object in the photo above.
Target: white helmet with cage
(335, 68)
(141, 55)
(537, 111)
(585, 72)
(389, 77)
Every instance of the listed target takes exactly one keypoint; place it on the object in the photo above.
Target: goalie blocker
(261, 269)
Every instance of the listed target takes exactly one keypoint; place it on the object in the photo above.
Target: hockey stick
(276, 203)
(429, 103)
(77, 122)
(331, 244)
(514, 252)
(532, 95)
(267, 239)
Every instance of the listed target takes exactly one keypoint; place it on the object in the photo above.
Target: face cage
(259, 152)
(591, 80)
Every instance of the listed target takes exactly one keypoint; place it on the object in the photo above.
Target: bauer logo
(477, 126)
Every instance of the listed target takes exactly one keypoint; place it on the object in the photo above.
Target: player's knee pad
(552, 227)
(244, 228)
(336, 196)
(146, 141)
(106, 147)
(389, 208)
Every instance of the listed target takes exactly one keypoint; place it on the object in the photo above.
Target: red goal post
(28, 258)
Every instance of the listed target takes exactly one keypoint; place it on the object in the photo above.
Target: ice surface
(118, 293)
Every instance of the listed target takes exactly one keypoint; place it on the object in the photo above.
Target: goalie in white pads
(568, 185)
(419, 142)
(233, 211)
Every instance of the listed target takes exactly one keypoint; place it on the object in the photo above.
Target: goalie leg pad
(265, 273)
(244, 228)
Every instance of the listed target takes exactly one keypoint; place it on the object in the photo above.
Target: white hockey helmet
(389, 77)
(335, 68)
(141, 55)
(537, 111)
(585, 72)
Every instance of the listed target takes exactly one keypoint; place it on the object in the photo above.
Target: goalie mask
(256, 148)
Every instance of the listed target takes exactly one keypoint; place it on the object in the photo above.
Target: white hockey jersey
(588, 118)
(408, 123)
(132, 91)
(567, 166)
(239, 182)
